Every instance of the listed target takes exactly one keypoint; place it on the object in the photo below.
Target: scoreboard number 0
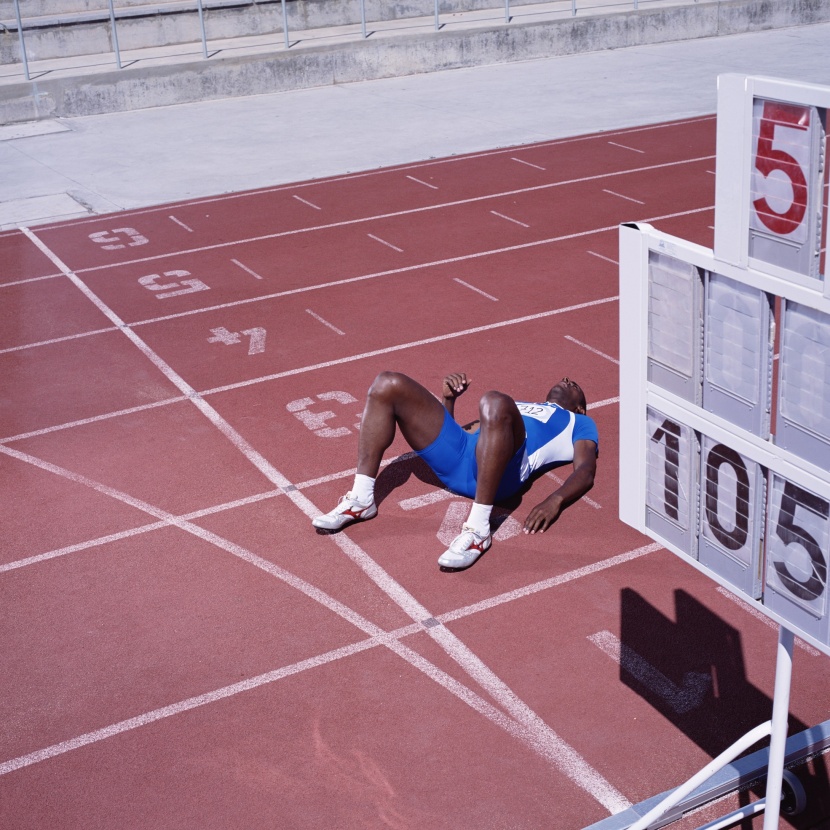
(733, 538)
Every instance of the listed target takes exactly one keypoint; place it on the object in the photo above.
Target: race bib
(537, 411)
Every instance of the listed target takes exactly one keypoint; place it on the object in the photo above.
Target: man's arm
(454, 386)
(578, 483)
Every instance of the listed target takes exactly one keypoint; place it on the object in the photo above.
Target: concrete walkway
(71, 167)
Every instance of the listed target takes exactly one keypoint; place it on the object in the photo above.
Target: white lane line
(384, 242)
(402, 270)
(560, 481)
(324, 322)
(270, 677)
(592, 349)
(537, 732)
(312, 368)
(425, 184)
(92, 420)
(681, 699)
(77, 336)
(477, 290)
(525, 724)
(529, 164)
(566, 759)
(531, 728)
(181, 224)
(177, 708)
(180, 399)
(135, 531)
(313, 482)
(408, 268)
(626, 147)
(306, 202)
(509, 219)
(381, 172)
(711, 172)
(30, 279)
(401, 346)
(628, 198)
(428, 498)
(601, 256)
(246, 268)
(552, 582)
(406, 212)
(770, 623)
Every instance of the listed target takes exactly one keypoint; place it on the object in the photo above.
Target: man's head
(569, 395)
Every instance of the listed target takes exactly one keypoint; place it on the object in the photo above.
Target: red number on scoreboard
(769, 158)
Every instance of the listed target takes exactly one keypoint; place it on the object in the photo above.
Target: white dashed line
(626, 147)
(324, 322)
(592, 349)
(181, 224)
(628, 198)
(428, 498)
(560, 481)
(425, 184)
(606, 258)
(682, 699)
(384, 242)
(509, 219)
(412, 344)
(306, 202)
(57, 340)
(477, 290)
(522, 161)
(246, 268)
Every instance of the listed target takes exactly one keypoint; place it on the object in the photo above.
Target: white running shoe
(347, 511)
(465, 549)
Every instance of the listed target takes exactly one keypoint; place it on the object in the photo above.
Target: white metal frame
(730, 258)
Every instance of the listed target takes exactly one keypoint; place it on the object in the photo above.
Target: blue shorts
(452, 457)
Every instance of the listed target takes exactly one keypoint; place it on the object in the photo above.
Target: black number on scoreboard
(669, 432)
(792, 534)
(735, 538)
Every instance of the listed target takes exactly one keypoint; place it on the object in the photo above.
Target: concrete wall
(63, 32)
(196, 80)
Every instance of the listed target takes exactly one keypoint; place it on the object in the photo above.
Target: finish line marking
(528, 725)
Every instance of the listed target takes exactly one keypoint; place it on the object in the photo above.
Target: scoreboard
(725, 364)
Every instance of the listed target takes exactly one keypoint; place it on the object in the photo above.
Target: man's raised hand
(455, 385)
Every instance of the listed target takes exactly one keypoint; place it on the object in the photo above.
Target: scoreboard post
(725, 378)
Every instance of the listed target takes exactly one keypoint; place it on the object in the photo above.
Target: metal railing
(365, 33)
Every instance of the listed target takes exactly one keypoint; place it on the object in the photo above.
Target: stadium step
(72, 60)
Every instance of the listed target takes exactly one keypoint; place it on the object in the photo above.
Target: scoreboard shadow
(693, 672)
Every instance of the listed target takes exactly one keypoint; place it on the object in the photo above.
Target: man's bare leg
(501, 435)
(394, 400)
(502, 432)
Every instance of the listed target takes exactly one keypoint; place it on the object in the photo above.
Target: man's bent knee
(497, 408)
(389, 385)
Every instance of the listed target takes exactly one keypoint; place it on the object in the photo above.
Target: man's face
(568, 395)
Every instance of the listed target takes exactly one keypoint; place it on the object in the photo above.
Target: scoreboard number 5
(787, 185)
(783, 130)
(798, 546)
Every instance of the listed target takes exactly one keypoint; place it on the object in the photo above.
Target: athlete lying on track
(487, 463)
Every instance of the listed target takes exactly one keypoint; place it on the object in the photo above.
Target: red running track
(182, 390)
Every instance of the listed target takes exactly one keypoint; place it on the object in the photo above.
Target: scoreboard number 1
(670, 480)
